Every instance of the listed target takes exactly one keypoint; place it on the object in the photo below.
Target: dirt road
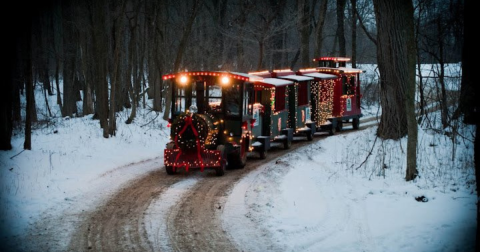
(123, 222)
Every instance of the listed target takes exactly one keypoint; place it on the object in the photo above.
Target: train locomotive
(218, 117)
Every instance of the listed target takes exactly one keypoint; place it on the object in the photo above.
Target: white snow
(295, 77)
(275, 82)
(317, 198)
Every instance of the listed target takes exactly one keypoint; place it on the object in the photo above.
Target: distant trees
(102, 57)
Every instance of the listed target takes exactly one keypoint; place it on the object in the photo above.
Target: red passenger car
(335, 93)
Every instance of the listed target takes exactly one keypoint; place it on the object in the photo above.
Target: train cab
(211, 120)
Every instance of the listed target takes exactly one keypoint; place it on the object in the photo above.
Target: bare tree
(304, 28)
(27, 145)
(180, 52)
(354, 32)
(69, 107)
(469, 104)
(319, 27)
(396, 62)
(340, 36)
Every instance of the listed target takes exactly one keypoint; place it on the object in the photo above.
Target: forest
(99, 57)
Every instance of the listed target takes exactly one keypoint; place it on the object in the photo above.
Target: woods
(102, 57)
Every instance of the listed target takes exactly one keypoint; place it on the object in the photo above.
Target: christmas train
(219, 117)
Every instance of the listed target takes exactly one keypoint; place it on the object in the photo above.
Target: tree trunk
(354, 33)
(303, 23)
(6, 97)
(27, 145)
(99, 50)
(342, 49)
(469, 93)
(396, 61)
(419, 63)
(69, 53)
(319, 27)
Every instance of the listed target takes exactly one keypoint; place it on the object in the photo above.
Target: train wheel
(220, 171)
(263, 153)
(332, 131)
(287, 143)
(242, 158)
(310, 135)
(339, 125)
(170, 170)
(356, 123)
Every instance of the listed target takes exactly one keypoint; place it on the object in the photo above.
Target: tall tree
(319, 27)
(27, 145)
(354, 33)
(469, 95)
(396, 63)
(342, 48)
(180, 52)
(304, 29)
(69, 107)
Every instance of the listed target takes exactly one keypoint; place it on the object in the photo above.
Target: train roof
(321, 75)
(235, 75)
(273, 82)
(338, 70)
(296, 77)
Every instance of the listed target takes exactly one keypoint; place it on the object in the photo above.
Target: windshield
(204, 97)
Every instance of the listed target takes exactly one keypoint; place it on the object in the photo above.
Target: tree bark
(469, 99)
(99, 51)
(354, 33)
(396, 61)
(303, 23)
(27, 145)
(342, 49)
(69, 53)
(319, 27)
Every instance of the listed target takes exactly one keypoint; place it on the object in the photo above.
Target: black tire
(287, 143)
(220, 171)
(332, 131)
(356, 123)
(263, 153)
(170, 170)
(339, 125)
(242, 159)
(309, 135)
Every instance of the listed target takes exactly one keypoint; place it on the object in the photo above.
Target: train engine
(210, 121)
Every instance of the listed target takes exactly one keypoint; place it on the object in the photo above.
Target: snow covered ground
(317, 198)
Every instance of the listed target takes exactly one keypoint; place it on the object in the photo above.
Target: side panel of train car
(211, 121)
(300, 96)
(335, 94)
(271, 114)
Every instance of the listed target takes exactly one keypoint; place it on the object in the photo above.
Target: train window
(184, 98)
(345, 85)
(280, 98)
(348, 85)
(232, 100)
(214, 94)
(352, 83)
(303, 93)
(247, 98)
(258, 96)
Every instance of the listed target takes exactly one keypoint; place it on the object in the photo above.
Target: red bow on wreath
(189, 122)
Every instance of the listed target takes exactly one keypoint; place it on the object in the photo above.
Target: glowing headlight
(225, 80)
(183, 79)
